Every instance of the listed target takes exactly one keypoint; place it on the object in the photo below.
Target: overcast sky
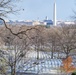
(42, 8)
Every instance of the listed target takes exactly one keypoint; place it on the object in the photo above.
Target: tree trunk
(13, 70)
(52, 52)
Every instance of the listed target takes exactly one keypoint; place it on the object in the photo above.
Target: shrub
(74, 73)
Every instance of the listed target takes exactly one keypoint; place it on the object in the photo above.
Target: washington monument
(54, 13)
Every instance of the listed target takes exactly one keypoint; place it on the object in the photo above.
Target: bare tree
(7, 7)
(67, 37)
(16, 49)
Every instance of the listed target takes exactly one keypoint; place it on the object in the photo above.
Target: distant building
(48, 22)
(39, 23)
(66, 23)
(69, 22)
(36, 23)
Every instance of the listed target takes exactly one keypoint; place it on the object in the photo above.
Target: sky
(39, 9)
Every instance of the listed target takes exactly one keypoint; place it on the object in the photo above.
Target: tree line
(14, 49)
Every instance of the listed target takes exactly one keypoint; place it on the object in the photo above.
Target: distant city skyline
(39, 9)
